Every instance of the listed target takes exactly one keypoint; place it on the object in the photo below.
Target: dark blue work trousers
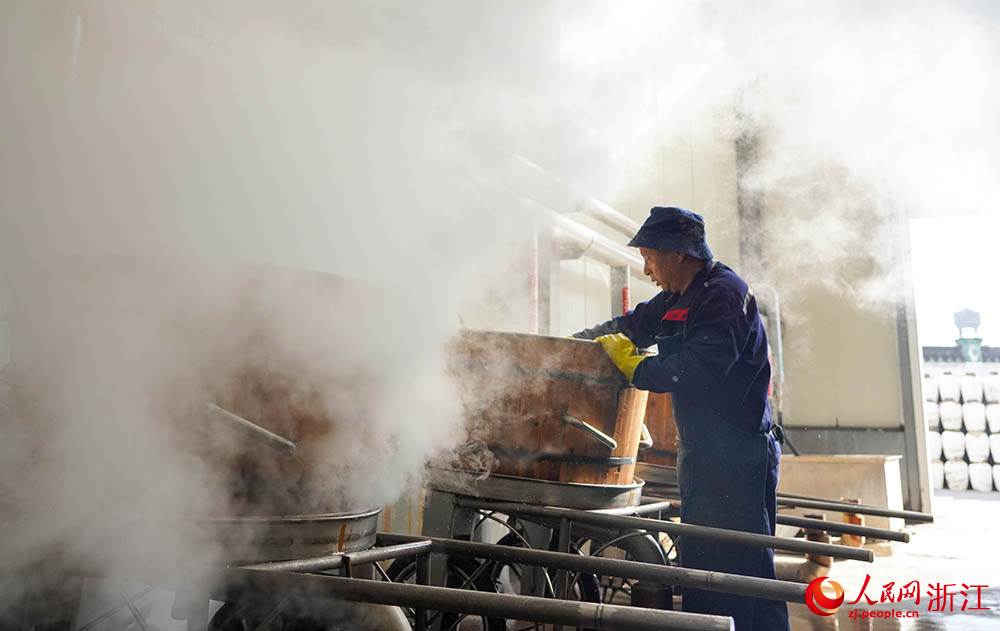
(728, 479)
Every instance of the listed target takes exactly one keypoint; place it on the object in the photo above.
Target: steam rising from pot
(168, 164)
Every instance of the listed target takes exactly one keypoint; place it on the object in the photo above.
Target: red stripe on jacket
(676, 315)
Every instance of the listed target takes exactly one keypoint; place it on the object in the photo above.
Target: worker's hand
(622, 352)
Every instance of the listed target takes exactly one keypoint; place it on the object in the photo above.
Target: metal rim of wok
(258, 539)
(534, 491)
(276, 519)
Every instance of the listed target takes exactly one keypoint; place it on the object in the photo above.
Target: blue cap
(674, 229)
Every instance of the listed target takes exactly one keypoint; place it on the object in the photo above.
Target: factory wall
(850, 352)
(841, 358)
(841, 364)
(695, 170)
(840, 332)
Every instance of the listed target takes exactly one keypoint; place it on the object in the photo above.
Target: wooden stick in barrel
(252, 430)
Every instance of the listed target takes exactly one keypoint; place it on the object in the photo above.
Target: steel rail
(685, 577)
(234, 583)
(674, 529)
(822, 524)
(822, 503)
(641, 509)
(335, 561)
(803, 501)
(840, 528)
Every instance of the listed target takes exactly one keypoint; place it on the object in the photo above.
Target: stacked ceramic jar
(963, 438)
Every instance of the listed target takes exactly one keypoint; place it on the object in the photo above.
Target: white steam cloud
(157, 153)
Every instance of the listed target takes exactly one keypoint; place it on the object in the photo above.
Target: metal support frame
(664, 574)
(423, 578)
(543, 283)
(668, 486)
(235, 583)
(916, 464)
(441, 520)
(843, 528)
(802, 522)
(562, 576)
(673, 529)
(346, 559)
(799, 501)
(136, 614)
(116, 608)
(657, 507)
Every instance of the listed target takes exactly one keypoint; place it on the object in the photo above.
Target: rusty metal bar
(673, 529)
(805, 501)
(642, 509)
(844, 528)
(804, 522)
(665, 574)
(423, 578)
(821, 503)
(234, 583)
(334, 561)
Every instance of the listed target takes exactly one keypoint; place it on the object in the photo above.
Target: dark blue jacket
(712, 348)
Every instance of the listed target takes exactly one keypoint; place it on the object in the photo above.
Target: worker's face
(663, 267)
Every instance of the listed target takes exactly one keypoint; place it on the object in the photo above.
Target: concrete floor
(961, 546)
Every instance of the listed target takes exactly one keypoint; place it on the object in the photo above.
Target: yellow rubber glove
(622, 352)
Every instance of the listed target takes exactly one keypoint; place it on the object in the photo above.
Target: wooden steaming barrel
(663, 430)
(550, 408)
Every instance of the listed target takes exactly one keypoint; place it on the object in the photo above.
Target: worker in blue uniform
(712, 358)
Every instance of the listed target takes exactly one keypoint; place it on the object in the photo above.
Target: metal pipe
(110, 612)
(590, 430)
(252, 430)
(607, 215)
(401, 551)
(646, 439)
(844, 528)
(777, 328)
(269, 619)
(567, 231)
(236, 582)
(684, 577)
(587, 204)
(334, 561)
(562, 576)
(423, 578)
(642, 509)
(644, 593)
(811, 501)
(314, 564)
(644, 549)
(804, 501)
(674, 529)
(819, 524)
(594, 244)
(136, 614)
